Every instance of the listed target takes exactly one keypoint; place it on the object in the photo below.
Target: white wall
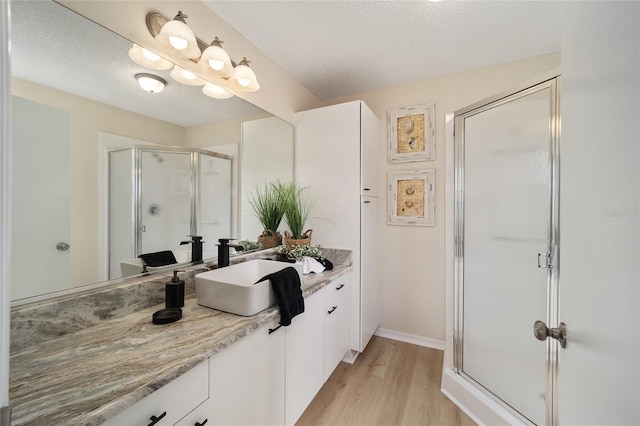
(599, 379)
(267, 156)
(413, 258)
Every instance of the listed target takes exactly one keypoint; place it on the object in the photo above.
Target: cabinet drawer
(336, 289)
(171, 402)
(336, 325)
(199, 416)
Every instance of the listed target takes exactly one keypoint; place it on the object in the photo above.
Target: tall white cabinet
(336, 156)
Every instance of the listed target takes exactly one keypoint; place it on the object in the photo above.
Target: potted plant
(297, 207)
(267, 204)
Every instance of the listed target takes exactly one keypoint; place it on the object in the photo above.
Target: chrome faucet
(223, 251)
(196, 247)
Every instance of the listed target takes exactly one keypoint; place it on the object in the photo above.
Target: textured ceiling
(338, 48)
(334, 48)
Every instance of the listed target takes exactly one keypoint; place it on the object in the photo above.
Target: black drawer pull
(339, 287)
(329, 312)
(155, 419)
(272, 330)
(201, 424)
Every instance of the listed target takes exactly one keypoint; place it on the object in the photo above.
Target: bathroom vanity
(209, 365)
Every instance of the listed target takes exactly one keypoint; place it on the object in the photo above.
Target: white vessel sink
(233, 288)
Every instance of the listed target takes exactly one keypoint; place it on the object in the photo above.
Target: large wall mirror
(104, 172)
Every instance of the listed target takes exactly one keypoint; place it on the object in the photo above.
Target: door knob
(62, 246)
(541, 331)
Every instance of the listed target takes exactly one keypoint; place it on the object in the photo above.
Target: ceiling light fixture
(215, 91)
(177, 38)
(151, 83)
(148, 59)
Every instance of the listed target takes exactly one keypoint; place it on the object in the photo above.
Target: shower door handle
(541, 331)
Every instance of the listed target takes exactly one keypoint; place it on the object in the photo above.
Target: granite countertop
(92, 374)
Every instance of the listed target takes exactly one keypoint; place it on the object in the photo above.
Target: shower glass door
(166, 206)
(214, 211)
(503, 233)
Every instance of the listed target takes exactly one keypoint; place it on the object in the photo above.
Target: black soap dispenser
(174, 301)
(174, 292)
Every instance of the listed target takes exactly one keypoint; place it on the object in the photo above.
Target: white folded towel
(309, 265)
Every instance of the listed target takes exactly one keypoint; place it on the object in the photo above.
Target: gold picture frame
(412, 198)
(412, 133)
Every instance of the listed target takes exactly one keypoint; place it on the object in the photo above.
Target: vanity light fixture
(148, 59)
(183, 76)
(151, 83)
(215, 91)
(215, 61)
(177, 38)
(243, 77)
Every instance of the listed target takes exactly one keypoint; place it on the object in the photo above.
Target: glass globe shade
(215, 91)
(176, 38)
(148, 59)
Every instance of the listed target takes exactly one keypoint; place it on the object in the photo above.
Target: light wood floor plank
(391, 383)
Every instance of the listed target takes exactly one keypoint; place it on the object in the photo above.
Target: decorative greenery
(296, 207)
(267, 204)
(298, 252)
(249, 245)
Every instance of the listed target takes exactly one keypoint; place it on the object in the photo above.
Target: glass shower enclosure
(160, 196)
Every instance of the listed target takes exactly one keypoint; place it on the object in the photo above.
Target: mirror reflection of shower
(159, 196)
(158, 157)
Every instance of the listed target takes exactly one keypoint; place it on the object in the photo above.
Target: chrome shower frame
(553, 238)
(194, 187)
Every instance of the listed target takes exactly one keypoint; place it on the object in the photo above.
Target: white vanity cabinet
(170, 403)
(336, 155)
(247, 380)
(268, 377)
(336, 323)
(305, 357)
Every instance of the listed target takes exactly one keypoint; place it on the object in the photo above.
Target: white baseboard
(410, 338)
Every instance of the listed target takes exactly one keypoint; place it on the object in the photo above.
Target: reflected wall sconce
(151, 83)
(176, 38)
(146, 58)
(215, 91)
(183, 76)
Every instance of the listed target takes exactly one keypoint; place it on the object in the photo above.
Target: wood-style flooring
(390, 383)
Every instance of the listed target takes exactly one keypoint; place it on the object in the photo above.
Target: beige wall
(88, 118)
(413, 258)
(218, 133)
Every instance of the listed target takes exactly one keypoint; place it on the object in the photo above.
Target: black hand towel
(326, 263)
(159, 258)
(286, 285)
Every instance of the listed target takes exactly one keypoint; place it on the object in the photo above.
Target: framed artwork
(412, 134)
(412, 198)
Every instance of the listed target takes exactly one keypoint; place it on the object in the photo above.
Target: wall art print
(412, 133)
(412, 198)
